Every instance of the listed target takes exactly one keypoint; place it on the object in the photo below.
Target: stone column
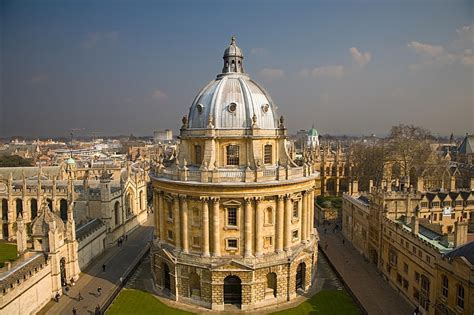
(258, 227)
(216, 247)
(155, 212)
(279, 223)
(176, 218)
(303, 205)
(161, 216)
(311, 213)
(248, 235)
(184, 209)
(287, 238)
(205, 226)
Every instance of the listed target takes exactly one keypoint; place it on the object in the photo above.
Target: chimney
(415, 225)
(371, 185)
(460, 233)
(355, 186)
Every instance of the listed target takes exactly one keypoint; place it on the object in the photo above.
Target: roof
(467, 145)
(312, 132)
(466, 251)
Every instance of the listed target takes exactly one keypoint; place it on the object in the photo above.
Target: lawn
(137, 302)
(331, 302)
(7, 252)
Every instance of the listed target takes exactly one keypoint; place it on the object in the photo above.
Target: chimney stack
(415, 225)
(460, 233)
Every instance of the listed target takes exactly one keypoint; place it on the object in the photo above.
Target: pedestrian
(74, 311)
(72, 282)
(118, 242)
(121, 281)
(57, 296)
(97, 310)
(103, 267)
(325, 230)
(99, 291)
(343, 241)
(417, 311)
(79, 297)
(126, 237)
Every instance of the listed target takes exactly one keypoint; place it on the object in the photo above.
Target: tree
(14, 161)
(368, 162)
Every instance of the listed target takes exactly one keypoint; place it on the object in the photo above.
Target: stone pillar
(287, 225)
(216, 247)
(161, 216)
(311, 213)
(155, 213)
(205, 226)
(248, 235)
(184, 208)
(303, 205)
(258, 226)
(279, 223)
(176, 218)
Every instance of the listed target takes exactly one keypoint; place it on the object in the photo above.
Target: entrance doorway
(166, 271)
(300, 275)
(232, 290)
(62, 266)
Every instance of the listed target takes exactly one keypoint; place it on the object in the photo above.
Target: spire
(233, 58)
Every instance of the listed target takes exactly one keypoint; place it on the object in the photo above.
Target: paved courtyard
(362, 277)
(118, 261)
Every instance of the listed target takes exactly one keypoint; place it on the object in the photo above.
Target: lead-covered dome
(233, 100)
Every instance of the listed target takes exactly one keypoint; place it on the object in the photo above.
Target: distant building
(312, 138)
(162, 135)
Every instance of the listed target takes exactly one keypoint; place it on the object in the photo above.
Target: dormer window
(200, 108)
(232, 107)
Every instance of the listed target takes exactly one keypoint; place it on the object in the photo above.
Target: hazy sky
(125, 67)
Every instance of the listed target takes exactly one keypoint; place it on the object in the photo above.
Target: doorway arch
(300, 276)
(232, 290)
(167, 277)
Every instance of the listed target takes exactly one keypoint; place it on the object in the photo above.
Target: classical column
(248, 214)
(176, 218)
(161, 215)
(280, 223)
(156, 212)
(288, 207)
(184, 209)
(205, 226)
(258, 226)
(303, 205)
(216, 247)
(311, 213)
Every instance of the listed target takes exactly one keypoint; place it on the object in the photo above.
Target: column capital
(204, 198)
(215, 199)
(259, 199)
(182, 196)
(174, 196)
(248, 200)
(280, 197)
(288, 196)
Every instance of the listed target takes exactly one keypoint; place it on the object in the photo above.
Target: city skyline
(122, 67)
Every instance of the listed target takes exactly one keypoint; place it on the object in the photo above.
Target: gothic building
(234, 213)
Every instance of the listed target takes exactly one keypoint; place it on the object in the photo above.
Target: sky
(346, 67)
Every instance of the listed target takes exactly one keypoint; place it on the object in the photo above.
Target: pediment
(231, 203)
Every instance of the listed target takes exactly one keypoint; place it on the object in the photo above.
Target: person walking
(99, 291)
(79, 297)
(74, 311)
(103, 267)
(97, 310)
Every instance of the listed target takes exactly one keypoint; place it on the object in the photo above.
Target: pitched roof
(467, 145)
(466, 250)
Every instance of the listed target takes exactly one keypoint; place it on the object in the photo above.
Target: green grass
(7, 252)
(137, 302)
(331, 302)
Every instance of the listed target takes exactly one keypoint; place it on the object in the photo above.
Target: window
(417, 277)
(405, 267)
(268, 242)
(460, 297)
(295, 209)
(196, 218)
(445, 286)
(399, 278)
(295, 235)
(170, 210)
(198, 154)
(405, 284)
(267, 154)
(232, 154)
(196, 241)
(232, 243)
(269, 216)
(425, 292)
(435, 217)
(170, 235)
(232, 216)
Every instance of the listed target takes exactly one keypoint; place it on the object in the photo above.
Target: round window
(232, 107)
(265, 108)
(199, 108)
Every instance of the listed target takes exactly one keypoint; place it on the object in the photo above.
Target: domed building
(234, 214)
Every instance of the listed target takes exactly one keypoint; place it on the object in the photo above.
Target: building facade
(234, 213)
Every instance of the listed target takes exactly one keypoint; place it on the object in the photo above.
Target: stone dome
(233, 100)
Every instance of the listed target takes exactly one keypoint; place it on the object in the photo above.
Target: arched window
(269, 215)
(63, 209)
(198, 154)
(19, 207)
(194, 285)
(271, 285)
(267, 154)
(4, 209)
(117, 213)
(232, 154)
(33, 208)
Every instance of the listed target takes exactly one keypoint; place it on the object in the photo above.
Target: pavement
(118, 260)
(362, 277)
